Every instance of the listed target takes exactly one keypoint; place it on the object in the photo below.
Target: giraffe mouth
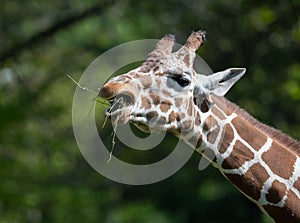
(120, 109)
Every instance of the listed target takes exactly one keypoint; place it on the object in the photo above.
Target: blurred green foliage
(44, 177)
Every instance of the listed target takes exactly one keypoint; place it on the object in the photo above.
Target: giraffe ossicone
(166, 94)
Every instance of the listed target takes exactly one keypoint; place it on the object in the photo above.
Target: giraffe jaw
(152, 125)
(123, 116)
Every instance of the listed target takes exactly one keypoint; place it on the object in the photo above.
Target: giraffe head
(165, 92)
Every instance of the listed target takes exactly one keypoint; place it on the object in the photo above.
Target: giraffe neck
(260, 161)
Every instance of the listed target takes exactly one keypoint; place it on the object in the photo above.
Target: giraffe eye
(182, 81)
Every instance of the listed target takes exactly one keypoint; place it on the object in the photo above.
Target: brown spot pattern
(155, 68)
(205, 127)
(276, 192)
(190, 107)
(255, 138)
(293, 204)
(151, 115)
(211, 122)
(166, 93)
(160, 74)
(162, 120)
(212, 136)
(297, 184)
(196, 140)
(172, 117)
(165, 106)
(218, 113)
(238, 156)
(155, 99)
(197, 119)
(186, 60)
(279, 214)
(290, 213)
(251, 182)
(274, 157)
(204, 107)
(227, 138)
(146, 103)
(146, 82)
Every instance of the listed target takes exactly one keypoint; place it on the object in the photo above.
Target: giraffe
(166, 94)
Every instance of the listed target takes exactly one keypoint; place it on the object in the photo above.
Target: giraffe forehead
(166, 64)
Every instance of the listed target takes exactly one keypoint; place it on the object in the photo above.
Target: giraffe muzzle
(120, 109)
(122, 98)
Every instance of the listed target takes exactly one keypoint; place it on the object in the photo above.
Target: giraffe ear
(219, 83)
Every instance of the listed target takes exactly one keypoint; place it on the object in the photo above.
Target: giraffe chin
(142, 123)
(124, 116)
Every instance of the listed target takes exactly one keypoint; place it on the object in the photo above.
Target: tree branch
(50, 31)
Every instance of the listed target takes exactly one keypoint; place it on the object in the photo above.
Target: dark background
(44, 177)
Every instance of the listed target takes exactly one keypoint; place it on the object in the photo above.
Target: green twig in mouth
(115, 125)
(108, 112)
(100, 100)
(113, 141)
(119, 102)
(81, 87)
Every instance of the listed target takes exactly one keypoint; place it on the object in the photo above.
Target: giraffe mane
(289, 142)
